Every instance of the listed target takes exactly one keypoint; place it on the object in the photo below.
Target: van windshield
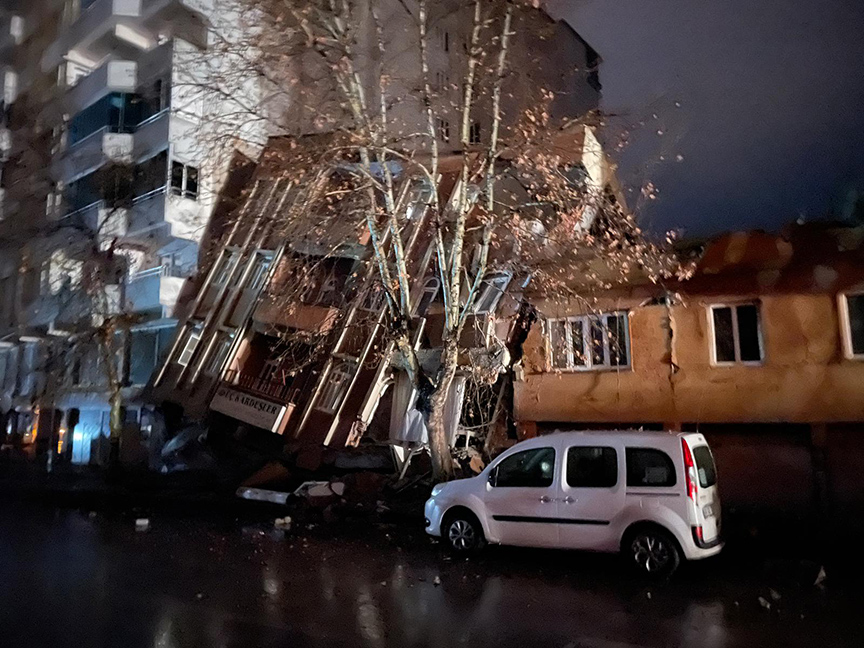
(705, 466)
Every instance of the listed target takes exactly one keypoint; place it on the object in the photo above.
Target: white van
(650, 495)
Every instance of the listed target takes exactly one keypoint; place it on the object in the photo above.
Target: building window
(430, 292)
(328, 293)
(224, 267)
(118, 112)
(258, 276)
(161, 96)
(192, 339)
(589, 341)
(184, 180)
(443, 130)
(491, 289)
(474, 135)
(737, 334)
(219, 354)
(855, 321)
(336, 387)
(374, 298)
(420, 199)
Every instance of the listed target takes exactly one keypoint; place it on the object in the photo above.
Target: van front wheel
(463, 533)
(653, 552)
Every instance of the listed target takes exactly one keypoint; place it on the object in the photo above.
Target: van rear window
(705, 466)
(649, 467)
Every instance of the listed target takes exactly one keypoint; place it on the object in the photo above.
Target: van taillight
(689, 471)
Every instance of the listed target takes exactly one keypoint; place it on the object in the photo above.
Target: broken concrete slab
(262, 495)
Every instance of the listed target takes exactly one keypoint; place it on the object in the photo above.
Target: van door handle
(546, 499)
(568, 500)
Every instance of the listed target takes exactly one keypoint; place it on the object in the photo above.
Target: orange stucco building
(762, 350)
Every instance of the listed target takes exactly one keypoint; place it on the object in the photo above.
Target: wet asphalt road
(74, 578)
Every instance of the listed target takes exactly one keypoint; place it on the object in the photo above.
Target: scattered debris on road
(283, 523)
(262, 495)
(142, 524)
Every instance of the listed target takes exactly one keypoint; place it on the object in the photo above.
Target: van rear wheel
(653, 552)
(462, 533)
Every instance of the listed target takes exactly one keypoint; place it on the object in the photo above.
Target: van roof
(631, 436)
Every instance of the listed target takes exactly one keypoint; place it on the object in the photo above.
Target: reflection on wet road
(69, 578)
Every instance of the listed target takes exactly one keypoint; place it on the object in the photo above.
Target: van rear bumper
(702, 544)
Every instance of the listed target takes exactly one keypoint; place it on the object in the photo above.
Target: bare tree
(508, 191)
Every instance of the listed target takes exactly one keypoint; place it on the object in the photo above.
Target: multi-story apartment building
(110, 144)
(286, 333)
(107, 186)
(761, 351)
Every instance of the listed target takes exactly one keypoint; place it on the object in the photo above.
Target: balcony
(154, 289)
(304, 317)
(102, 28)
(97, 219)
(112, 26)
(177, 18)
(277, 390)
(158, 216)
(11, 33)
(114, 76)
(152, 134)
(92, 152)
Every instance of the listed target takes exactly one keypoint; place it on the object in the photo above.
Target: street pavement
(74, 577)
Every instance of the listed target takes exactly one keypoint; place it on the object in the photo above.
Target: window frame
(192, 332)
(846, 325)
(182, 191)
(225, 265)
(219, 355)
(347, 367)
(488, 285)
(475, 133)
(443, 130)
(586, 321)
(260, 270)
(428, 293)
(736, 340)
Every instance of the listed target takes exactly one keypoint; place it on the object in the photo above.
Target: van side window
(592, 467)
(531, 468)
(649, 467)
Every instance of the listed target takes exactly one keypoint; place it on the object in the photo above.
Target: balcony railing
(183, 272)
(277, 390)
(151, 289)
(113, 76)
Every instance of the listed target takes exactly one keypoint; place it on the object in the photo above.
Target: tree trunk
(439, 443)
(115, 425)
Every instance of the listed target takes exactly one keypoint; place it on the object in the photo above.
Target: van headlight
(436, 490)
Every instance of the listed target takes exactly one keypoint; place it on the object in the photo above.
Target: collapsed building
(287, 336)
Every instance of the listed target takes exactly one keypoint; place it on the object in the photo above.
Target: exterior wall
(804, 377)
(110, 46)
(786, 434)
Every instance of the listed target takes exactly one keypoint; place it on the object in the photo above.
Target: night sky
(770, 116)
